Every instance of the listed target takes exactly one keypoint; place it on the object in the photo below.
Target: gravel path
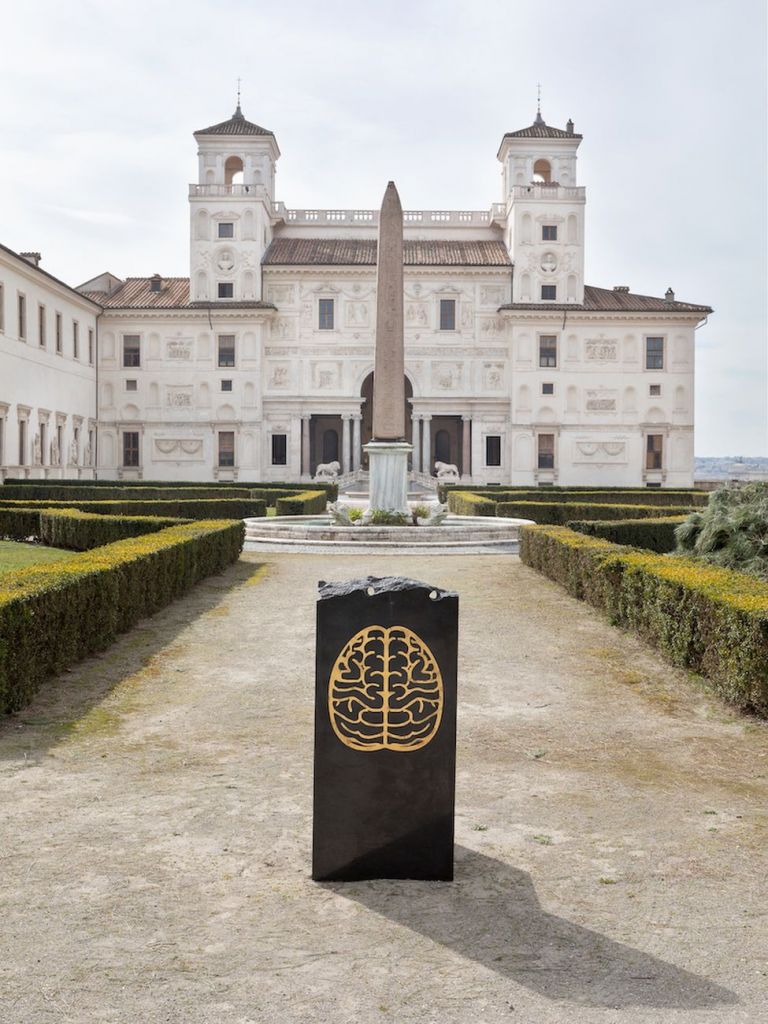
(155, 833)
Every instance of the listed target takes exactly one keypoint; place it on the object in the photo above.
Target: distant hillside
(731, 467)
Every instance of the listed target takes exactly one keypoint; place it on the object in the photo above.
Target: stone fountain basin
(457, 534)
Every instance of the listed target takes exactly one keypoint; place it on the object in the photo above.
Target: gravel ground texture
(156, 825)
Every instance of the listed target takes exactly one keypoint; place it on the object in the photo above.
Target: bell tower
(544, 213)
(231, 210)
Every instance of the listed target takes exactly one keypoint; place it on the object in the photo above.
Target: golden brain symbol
(385, 691)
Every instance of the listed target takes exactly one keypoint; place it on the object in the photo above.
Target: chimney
(669, 295)
(156, 283)
(569, 126)
(621, 287)
(31, 257)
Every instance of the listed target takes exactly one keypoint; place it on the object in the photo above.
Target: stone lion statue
(446, 471)
(327, 471)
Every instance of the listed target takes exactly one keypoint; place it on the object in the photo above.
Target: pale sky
(98, 102)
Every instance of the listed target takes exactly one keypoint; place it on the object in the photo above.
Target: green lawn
(15, 556)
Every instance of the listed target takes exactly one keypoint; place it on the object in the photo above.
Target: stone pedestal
(388, 481)
(385, 730)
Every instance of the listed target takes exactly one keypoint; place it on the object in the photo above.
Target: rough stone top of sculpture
(379, 585)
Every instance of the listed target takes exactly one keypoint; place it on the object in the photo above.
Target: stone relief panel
(601, 400)
(178, 349)
(601, 350)
(572, 348)
(278, 376)
(491, 295)
(357, 314)
(416, 314)
(283, 328)
(493, 376)
(447, 376)
(281, 294)
(599, 451)
(326, 376)
(167, 448)
(179, 396)
(467, 317)
(491, 326)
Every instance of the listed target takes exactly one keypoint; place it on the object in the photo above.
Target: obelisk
(388, 450)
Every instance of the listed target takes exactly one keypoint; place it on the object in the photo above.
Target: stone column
(356, 421)
(466, 449)
(305, 445)
(416, 443)
(426, 445)
(345, 445)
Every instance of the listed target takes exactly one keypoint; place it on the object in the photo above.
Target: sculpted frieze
(601, 349)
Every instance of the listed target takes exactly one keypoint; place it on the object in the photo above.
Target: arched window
(542, 171)
(442, 446)
(233, 171)
(330, 446)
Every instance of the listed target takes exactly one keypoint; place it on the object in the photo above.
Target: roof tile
(609, 300)
(349, 252)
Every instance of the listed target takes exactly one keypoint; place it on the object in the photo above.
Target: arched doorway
(366, 392)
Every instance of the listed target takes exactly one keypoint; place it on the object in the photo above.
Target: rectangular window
(324, 317)
(226, 229)
(90, 345)
(131, 385)
(226, 447)
(493, 450)
(131, 350)
(131, 448)
(654, 390)
(226, 290)
(447, 314)
(22, 442)
(22, 318)
(226, 385)
(547, 389)
(546, 451)
(226, 350)
(57, 322)
(41, 324)
(549, 292)
(654, 353)
(75, 339)
(653, 450)
(279, 449)
(548, 350)
(549, 232)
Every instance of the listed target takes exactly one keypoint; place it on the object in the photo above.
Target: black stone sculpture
(385, 730)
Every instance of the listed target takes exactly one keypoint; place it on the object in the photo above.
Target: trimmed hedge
(224, 508)
(629, 495)
(466, 503)
(19, 523)
(44, 492)
(82, 531)
(304, 503)
(651, 534)
(279, 486)
(561, 512)
(711, 620)
(53, 615)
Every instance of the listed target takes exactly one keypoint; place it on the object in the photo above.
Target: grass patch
(16, 555)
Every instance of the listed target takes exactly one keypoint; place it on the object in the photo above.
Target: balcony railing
(425, 218)
(228, 190)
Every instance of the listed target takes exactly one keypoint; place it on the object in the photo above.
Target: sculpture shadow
(64, 699)
(490, 914)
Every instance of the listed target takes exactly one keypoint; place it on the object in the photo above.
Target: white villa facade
(259, 365)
